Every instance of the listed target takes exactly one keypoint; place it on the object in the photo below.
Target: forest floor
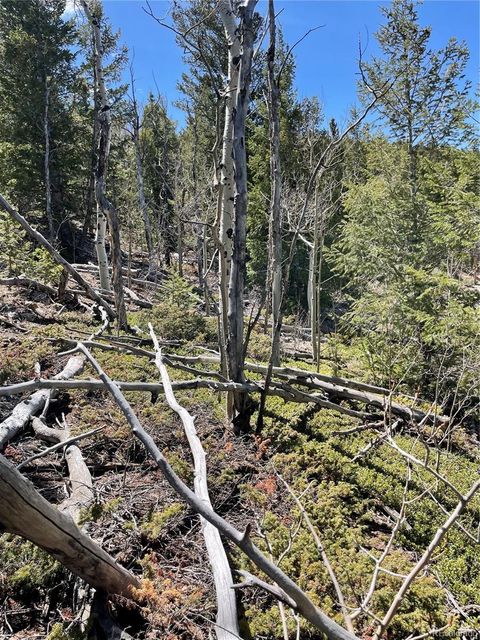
(139, 520)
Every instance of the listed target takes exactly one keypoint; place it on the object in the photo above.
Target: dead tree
(290, 591)
(105, 208)
(241, 36)
(46, 163)
(33, 405)
(274, 269)
(24, 512)
(136, 125)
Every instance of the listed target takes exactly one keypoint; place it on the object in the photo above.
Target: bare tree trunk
(105, 209)
(140, 186)
(48, 186)
(24, 512)
(275, 230)
(243, 405)
(227, 177)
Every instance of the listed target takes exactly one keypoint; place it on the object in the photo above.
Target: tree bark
(24, 512)
(243, 406)
(275, 227)
(227, 177)
(48, 185)
(105, 208)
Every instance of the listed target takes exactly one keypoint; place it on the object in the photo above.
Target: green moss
(99, 510)
(27, 567)
(159, 520)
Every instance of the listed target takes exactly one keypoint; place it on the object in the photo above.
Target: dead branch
(227, 617)
(22, 281)
(22, 413)
(323, 554)
(60, 445)
(252, 581)
(425, 559)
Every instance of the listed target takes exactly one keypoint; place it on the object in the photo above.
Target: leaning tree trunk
(24, 512)
(105, 208)
(243, 406)
(37, 236)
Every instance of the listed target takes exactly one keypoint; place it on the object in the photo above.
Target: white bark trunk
(275, 229)
(243, 35)
(227, 177)
(105, 208)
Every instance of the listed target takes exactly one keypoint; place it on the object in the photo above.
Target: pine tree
(36, 121)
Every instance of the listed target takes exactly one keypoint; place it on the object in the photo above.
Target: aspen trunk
(105, 209)
(227, 177)
(243, 405)
(275, 227)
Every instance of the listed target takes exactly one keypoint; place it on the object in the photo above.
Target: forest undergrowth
(352, 495)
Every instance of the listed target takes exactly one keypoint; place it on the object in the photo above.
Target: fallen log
(24, 512)
(280, 390)
(22, 281)
(226, 627)
(81, 483)
(30, 407)
(343, 388)
(37, 236)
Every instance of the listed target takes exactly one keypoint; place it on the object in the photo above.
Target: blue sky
(326, 59)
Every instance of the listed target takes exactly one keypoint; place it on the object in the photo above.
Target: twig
(59, 445)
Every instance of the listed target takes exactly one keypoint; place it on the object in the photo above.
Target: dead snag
(227, 617)
(24, 512)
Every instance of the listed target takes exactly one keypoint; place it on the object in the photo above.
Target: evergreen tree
(36, 84)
